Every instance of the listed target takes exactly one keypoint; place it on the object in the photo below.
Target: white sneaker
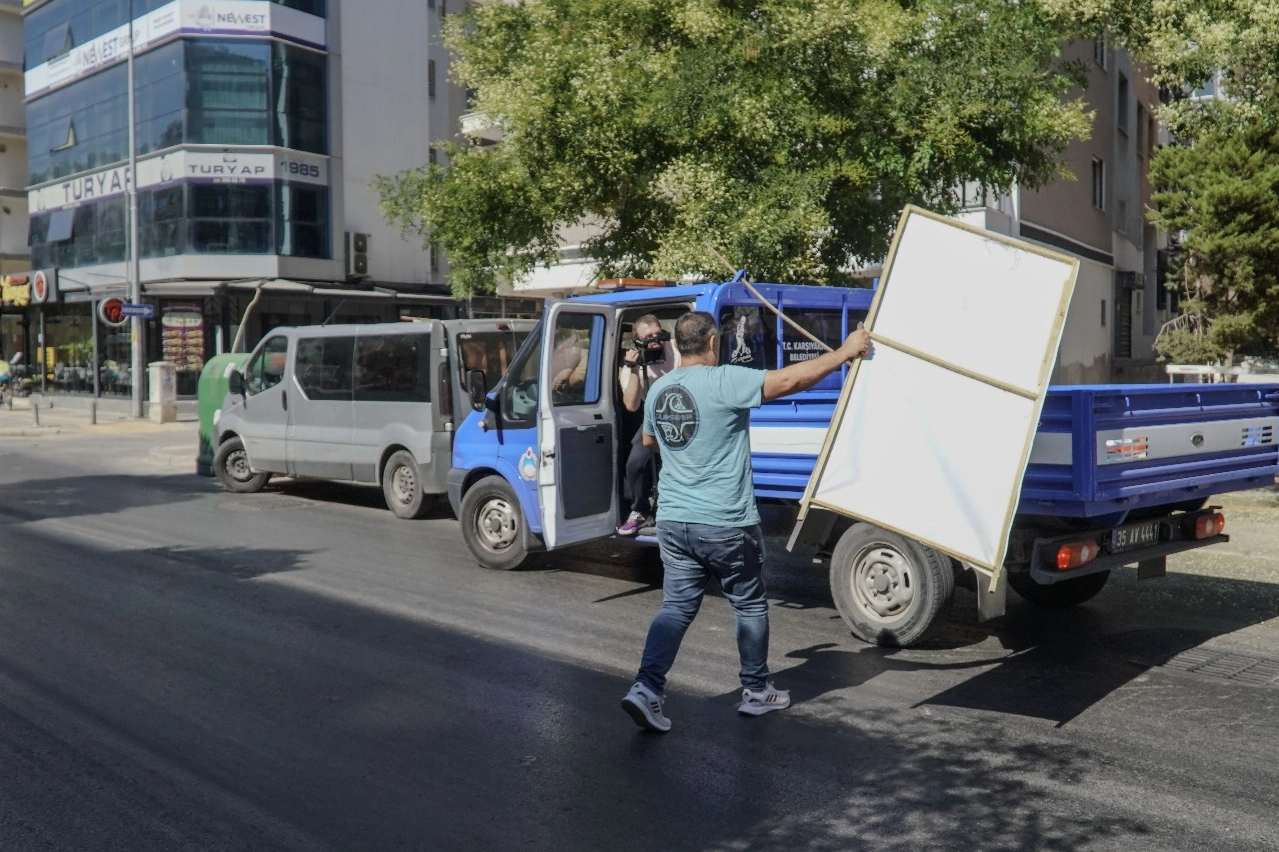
(645, 707)
(757, 702)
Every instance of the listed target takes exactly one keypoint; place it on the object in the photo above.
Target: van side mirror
(235, 383)
(477, 388)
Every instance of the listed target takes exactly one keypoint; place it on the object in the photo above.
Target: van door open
(577, 430)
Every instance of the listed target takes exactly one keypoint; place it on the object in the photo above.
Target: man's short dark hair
(693, 331)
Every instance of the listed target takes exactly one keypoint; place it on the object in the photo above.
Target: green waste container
(210, 393)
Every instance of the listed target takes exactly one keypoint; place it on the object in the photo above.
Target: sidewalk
(42, 416)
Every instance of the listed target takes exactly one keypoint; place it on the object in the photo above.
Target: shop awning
(324, 289)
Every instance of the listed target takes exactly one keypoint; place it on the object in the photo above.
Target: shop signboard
(15, 290)
(44, 286)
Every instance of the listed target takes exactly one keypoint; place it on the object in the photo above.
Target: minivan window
(323, 367)
(490, 352)
(393, 368)
(267, 367)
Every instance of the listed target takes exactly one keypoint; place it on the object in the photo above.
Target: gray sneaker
(757, 702)
(645, 707)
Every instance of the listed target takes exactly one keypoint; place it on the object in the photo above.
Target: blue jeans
(691, 555)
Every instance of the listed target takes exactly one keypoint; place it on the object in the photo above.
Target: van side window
(393, 368)
(748, 337)
(575, 359)
(323, 367)
(266, 370)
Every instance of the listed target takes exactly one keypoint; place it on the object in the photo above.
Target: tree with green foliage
(790, 133)
(1221, 195)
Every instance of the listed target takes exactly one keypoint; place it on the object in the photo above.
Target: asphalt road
(184, 669)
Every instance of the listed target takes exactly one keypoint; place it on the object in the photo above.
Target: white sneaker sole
(640, 716)
(760, 709)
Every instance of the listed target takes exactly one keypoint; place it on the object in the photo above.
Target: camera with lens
(650, 348)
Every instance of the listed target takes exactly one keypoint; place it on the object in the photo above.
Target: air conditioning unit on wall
(357, 255)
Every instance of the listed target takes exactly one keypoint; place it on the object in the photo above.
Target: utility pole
(137, 339)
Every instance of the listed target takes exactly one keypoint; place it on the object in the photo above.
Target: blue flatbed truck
(1119, 474)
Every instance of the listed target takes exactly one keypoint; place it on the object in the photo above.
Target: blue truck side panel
(1085, 488)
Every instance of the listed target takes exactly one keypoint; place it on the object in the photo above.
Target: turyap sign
(181, 17)
(198, 166)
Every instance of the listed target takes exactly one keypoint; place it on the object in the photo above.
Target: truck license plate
(1134, 535)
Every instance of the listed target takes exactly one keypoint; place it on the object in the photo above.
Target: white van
(369, 404)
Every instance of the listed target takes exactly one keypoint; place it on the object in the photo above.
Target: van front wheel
(402, 486)
(231, 467)
(493, 525)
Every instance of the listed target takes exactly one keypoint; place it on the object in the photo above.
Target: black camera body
(650, 348)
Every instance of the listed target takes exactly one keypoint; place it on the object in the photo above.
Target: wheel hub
(883, 584)
(403, 484)
(238, 466)
(495, 523)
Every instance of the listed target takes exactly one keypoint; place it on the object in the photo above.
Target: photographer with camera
(649, 357)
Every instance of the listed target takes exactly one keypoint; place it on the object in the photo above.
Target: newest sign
(185, 165)
(181, 17)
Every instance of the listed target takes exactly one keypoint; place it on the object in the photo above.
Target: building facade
(1119, 304)
(258, 128)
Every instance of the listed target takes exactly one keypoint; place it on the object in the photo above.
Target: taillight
(1206, 526)
(1076, 553)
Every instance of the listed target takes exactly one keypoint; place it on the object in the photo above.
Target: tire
(890, 590)
(231, 467)
(493, 525)
(1063, 594)
(402, 486)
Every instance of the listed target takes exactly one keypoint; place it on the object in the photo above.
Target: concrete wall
(386, 121)
(14, 253)
(1084, 356)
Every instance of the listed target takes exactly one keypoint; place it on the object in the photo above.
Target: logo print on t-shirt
(676, 416)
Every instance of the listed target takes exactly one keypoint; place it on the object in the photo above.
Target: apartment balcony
(481, 127)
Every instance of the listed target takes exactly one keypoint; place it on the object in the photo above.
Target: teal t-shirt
(700, 417)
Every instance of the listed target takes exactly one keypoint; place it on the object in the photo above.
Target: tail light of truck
(1206, 526)
(1076, 553)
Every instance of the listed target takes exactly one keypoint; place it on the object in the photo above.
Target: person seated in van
(566, 356)
(646, 360)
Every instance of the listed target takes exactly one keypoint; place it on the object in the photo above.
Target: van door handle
(284, 400)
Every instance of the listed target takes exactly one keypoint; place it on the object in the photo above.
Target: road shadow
(1061, 662)
(346, 493)
(239, 563)
(273, 716)
(75, 496)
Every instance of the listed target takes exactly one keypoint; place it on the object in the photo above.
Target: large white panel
(982, 305)
(930, 453)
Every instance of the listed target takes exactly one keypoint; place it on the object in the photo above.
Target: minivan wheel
(493, 525)
(231, 467)
(402, 486)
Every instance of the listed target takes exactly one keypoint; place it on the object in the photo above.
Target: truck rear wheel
(231, 467)
(493, 525)
(402, 486)
(1063, 594)
(889, 589)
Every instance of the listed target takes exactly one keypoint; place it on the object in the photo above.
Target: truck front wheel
(889, 589)
(1063, 594)
(493, 525)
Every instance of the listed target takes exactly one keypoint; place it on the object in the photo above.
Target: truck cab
(539, 465)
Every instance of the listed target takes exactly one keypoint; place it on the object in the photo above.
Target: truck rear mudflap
(1147, 543)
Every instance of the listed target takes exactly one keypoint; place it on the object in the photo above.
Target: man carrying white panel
(698, 417)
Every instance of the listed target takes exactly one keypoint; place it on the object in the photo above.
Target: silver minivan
(370, 404)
